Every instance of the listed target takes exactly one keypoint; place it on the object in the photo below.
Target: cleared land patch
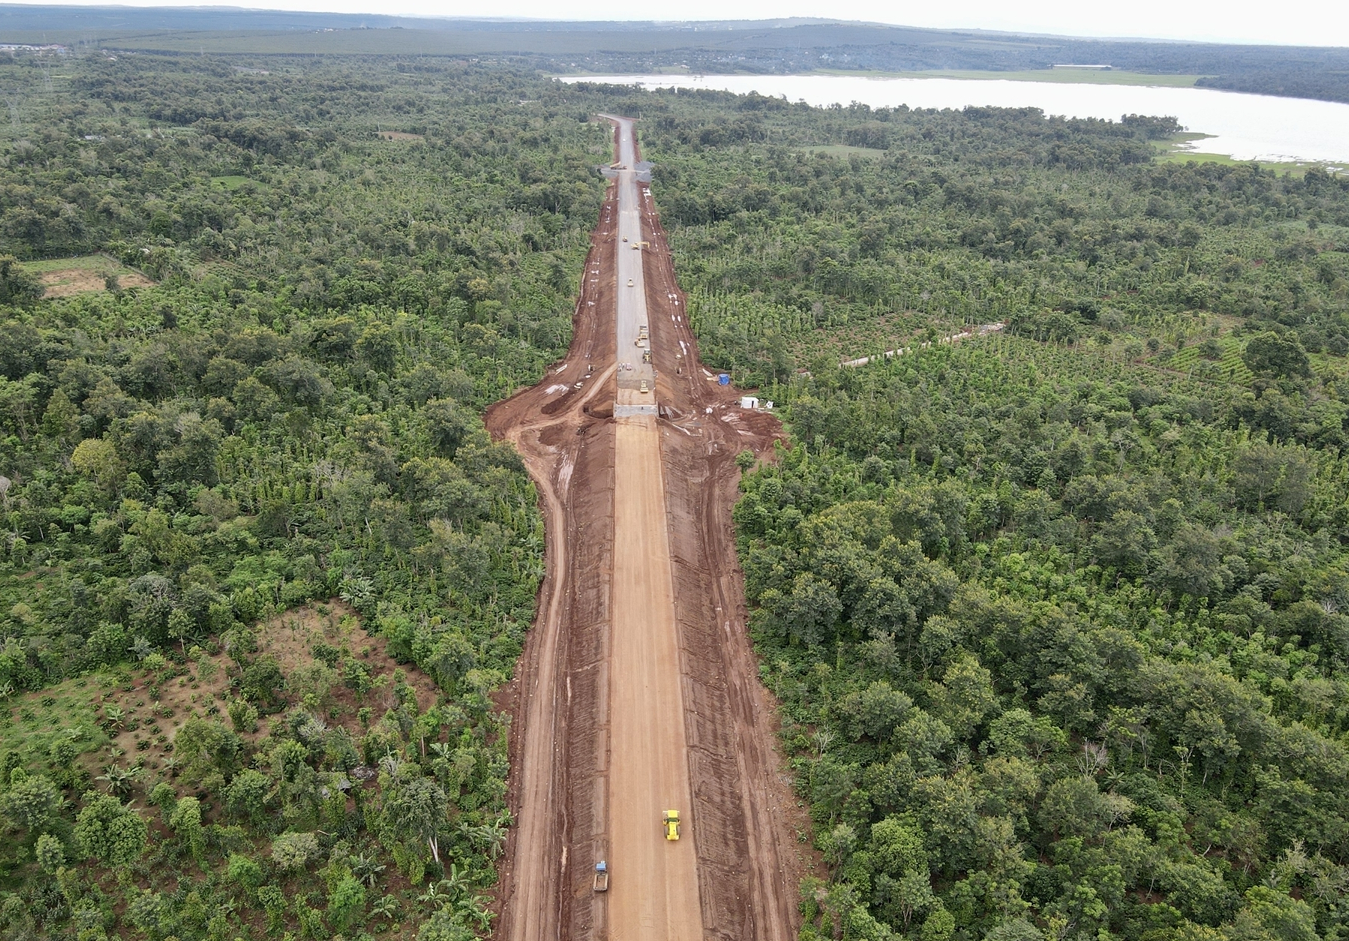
(1175, 149)
(132, 713)
(64, 277)
(142, 733)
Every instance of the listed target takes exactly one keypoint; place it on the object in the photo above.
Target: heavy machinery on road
(671, 822)
(601, 883)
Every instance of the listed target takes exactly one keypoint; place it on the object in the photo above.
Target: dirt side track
(557, 697)
(747, 854)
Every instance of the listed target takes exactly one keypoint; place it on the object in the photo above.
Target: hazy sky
(1312, 22)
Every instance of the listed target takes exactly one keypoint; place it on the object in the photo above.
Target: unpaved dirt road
(657, 896)
(638, 691)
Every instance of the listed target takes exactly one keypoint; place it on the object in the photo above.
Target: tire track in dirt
(749, 861)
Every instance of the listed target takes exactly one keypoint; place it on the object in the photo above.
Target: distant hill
(763, 46)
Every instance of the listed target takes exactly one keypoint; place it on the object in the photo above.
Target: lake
(1245, 127)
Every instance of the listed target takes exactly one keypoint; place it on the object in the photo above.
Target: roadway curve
(638, 690)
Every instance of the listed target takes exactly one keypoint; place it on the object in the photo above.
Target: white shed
(749, 401)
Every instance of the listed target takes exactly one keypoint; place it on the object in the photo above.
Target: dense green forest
(289, 415)
(1057, 615)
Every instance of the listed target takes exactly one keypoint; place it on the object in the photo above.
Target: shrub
(243, 715)
(243, 872)
(293, 851)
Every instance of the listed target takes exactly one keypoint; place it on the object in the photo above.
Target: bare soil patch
(85, 275)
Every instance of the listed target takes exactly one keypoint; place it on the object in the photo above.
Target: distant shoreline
(1059, 76)
(1176, 149)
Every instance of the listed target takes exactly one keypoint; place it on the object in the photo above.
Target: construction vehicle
(641, 332)
(646, 356)
(644, 388)
(671, 822)
(601, 883)
(629, 282)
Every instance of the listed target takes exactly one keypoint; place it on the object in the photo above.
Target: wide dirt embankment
(742, 819)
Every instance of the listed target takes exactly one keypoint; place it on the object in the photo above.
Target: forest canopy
(276, 435)
(1052, 588)
(1055, 612)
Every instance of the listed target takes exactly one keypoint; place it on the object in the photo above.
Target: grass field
(1171, 151)
(230, 183)
(62, 277)
(29, 724)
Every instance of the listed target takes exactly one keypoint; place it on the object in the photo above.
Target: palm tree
(141, 647)
(118, 779)
(457, 881)
(366, 869)
(475, 908)
(436, 894)
(355, 590)
(115, 715)
(490, 836)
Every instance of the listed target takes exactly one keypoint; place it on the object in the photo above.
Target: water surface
(1245, 127)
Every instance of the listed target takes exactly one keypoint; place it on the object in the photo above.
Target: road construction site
(638, 691)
